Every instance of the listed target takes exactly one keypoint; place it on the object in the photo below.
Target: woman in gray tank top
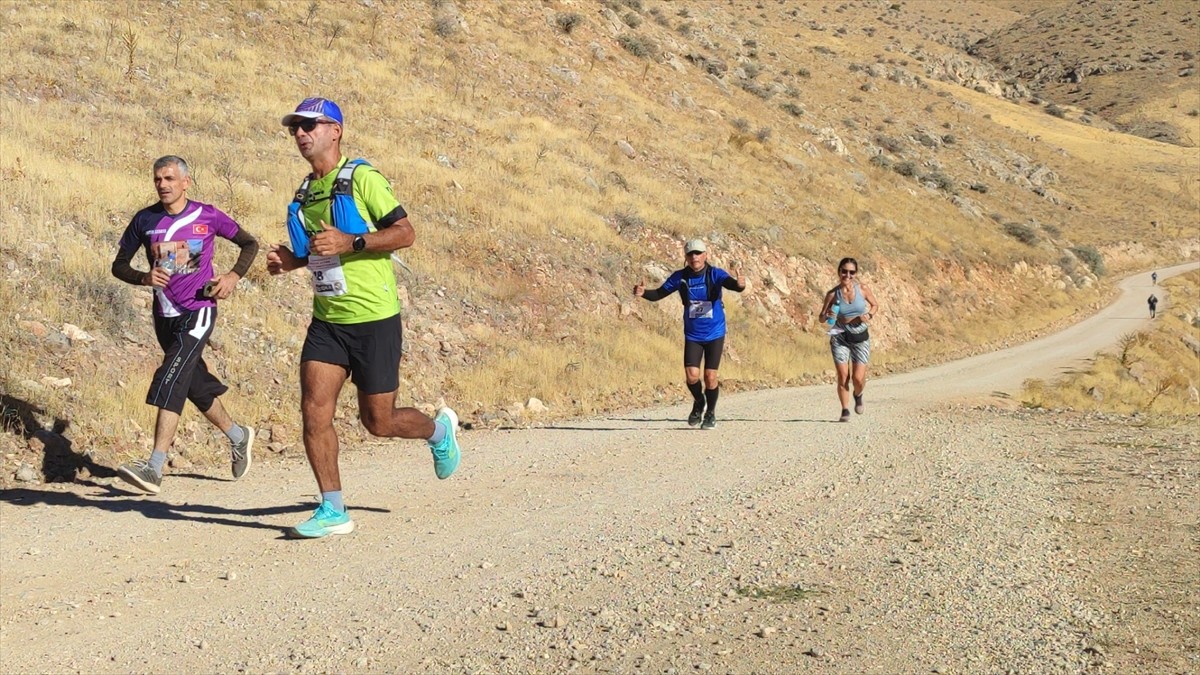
(848, 308)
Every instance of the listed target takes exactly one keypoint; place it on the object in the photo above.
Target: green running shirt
(366, 285)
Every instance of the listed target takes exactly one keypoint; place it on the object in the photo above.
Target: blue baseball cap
(314, 109)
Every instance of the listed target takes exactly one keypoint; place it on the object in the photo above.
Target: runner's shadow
(60, 462)
(561, 428)
(720, 420)
(200, 476)
(117, 501)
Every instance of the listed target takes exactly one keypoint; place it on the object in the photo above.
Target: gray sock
(439, 432)
(335, 500)
(236, 434)
(158, 459)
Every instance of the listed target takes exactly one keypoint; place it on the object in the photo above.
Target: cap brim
(293, 118)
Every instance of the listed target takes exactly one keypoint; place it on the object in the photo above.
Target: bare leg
(843, 384)
(381, 417)
(319, 387)
(710, 379)
(860, 378)
(217, 415)
(165, 426)
(691, 374)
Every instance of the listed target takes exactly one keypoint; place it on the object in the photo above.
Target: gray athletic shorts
(844, 352)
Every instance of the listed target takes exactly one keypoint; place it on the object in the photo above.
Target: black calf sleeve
(711, 395)
(697, 390)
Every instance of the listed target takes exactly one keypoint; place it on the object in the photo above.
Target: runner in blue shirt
(699, 287)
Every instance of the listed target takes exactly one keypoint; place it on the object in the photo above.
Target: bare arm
(870, 298)
(331, 241)
(280, 259)
(825, 314)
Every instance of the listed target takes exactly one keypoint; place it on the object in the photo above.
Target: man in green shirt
(355, 330)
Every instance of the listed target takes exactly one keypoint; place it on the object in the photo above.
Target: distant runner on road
(1153, 303)
(699, 287)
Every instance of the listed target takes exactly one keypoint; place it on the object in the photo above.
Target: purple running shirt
(183, 244)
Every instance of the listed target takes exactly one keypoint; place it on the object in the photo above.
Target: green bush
(639, 46)
(944, 182)
(1022, 233)
(890, 143)
(567, 21)
(1090, 257)
(792, 109)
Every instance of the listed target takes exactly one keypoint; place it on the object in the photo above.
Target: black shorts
(711, 351)
(369, 351)
(183, 375)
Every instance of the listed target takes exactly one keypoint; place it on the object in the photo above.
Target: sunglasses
(848, 272)
(306, 125)
(695, 252)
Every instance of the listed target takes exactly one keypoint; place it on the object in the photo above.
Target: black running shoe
(710, 421)
(858, 404)
(845, 415)
(696, 416)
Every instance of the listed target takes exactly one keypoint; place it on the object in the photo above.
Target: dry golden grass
(1152, 371)
(530, 220)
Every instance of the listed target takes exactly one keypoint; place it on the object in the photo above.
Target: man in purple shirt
(177, 235)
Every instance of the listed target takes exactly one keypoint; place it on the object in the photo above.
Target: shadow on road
(60, 462)
(720, 420)
(657, 421)
(120, 502)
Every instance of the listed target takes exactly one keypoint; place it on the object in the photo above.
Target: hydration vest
(712, 291)
(344, 212)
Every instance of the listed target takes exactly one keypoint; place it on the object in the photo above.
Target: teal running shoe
(446, 454)
(325, 521)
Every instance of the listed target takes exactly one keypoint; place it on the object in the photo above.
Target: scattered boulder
(26, 474)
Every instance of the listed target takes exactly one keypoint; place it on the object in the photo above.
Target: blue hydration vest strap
(344, 211)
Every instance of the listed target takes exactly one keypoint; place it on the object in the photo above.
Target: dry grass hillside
(550, 155)
(1132, 64)
(1154, 371)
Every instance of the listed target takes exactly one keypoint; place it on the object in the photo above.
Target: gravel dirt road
(944, 530)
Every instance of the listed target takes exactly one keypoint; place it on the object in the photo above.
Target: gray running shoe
(140, 475)
(241, 453)
(710, 421)
(845, 416)
(858, 404)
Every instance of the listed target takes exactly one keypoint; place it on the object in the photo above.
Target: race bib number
(700, 309)
(328, 277)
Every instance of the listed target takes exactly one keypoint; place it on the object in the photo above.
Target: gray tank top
(853, 309)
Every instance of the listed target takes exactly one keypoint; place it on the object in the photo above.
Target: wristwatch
(359, 243)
